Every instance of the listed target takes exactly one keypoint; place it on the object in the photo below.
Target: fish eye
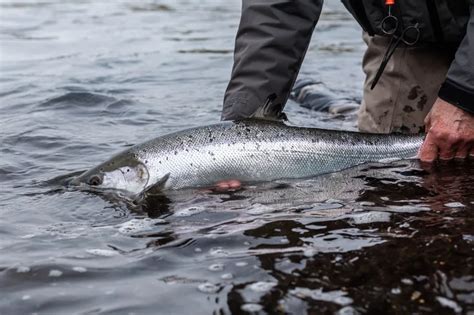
(95, 180)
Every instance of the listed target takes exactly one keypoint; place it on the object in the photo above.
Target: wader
(274, 35)
(405, 92)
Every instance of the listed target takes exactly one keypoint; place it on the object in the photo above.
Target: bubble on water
(371, 217)
(251, 307)
(366, 203)
(241, 263)
(454, 205)
(79, 269)
(135, 226)
(198, 250)
(187, 212)
(26, 297)
(227, 276)
(208, 287)
(23, 269)
(384, 198)
(262, 286)
(218, 251)
(216, 267)
(55, 273)
(102, 252)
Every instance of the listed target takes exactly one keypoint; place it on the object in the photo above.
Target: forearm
(271, 42)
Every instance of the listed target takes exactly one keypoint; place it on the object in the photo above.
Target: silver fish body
(247, 151)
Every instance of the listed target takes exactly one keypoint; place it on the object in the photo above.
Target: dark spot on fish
(175, 152)
(146, 161)
(408, 109)
(191, 164)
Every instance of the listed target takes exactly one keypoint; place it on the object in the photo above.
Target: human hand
(449, 133)
(228, 185)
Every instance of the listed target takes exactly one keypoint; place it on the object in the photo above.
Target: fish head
(123, 172)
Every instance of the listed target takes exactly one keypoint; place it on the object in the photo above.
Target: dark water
(81, 80)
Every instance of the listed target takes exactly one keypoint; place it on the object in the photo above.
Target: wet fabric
(274, 34)
(407, 90)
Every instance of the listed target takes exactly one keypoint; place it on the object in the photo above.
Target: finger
(428, 123)
(447, 152)
(222, 186)
(462, 152)
(234, 184)
(228, 185)
(429, 150)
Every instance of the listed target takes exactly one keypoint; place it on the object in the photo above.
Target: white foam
(187, 212)
(135, 226)
(55, 273)
(371, 217)
(337, 297)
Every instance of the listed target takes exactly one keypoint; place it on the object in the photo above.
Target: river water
(81, 80)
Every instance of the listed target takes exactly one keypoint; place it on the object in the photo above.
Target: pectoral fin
(154, 189)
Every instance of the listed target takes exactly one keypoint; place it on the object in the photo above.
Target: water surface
(82, 80)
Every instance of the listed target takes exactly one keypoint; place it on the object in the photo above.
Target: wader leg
(407, 89)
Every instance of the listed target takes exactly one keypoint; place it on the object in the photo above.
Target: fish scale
(256, 151)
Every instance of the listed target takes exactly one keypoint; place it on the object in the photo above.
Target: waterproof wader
(274, 34)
